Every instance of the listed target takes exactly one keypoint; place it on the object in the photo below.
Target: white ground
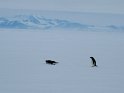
(23, 68)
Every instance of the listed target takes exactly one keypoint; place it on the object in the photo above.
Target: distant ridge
(38, 22)
(48, 20)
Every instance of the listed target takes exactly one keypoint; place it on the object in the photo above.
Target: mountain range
(31, 21)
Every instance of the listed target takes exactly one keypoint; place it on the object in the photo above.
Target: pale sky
(105, 6)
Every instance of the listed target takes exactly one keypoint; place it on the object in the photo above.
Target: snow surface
(23, 54)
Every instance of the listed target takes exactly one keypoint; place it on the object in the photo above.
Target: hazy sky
(111, 6)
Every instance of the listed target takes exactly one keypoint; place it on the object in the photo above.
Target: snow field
(23, 69)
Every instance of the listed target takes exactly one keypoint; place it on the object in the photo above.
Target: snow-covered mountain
(60, 20)
(41, 22)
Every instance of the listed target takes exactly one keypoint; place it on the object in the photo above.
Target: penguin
(51, 62)
(93, 62)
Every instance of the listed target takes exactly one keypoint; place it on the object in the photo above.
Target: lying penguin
(51, 62)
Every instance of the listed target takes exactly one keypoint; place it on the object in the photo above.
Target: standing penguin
(93, 62)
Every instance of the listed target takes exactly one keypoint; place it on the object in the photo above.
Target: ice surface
(23, 54)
